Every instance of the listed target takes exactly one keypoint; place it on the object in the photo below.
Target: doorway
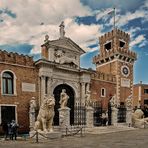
(7, 113)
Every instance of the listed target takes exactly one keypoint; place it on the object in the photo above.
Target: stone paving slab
(108, 129)
(121, 139)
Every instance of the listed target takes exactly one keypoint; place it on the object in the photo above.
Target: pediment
(66, 43)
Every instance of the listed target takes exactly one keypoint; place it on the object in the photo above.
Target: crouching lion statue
(46, 115)
(138, 119)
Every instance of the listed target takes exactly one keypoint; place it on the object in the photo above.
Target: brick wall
(26, 73)
(96, 86)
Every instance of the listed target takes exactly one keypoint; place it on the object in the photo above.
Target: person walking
(13, 126)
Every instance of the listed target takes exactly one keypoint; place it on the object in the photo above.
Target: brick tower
(115, 58)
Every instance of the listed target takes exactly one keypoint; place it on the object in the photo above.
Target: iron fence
(121, 114)
(79, 114)
(97, 113)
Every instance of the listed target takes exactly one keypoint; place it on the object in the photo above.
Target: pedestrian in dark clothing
(13, 126)
(10, 131)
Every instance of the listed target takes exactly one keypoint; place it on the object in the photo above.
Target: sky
(24, 24)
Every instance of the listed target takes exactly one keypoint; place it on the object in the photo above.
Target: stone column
(114, 115)
(49, 86)
(89, 117)
(64, 117)
(82, 92)
(42, 88)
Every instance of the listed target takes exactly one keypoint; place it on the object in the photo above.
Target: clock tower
(115, 58)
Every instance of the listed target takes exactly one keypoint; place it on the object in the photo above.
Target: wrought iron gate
(79, 114)
(121, 113)
(97, 113)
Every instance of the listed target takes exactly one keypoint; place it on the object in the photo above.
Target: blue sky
(23, 25)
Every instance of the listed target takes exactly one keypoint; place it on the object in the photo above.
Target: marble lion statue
(138, 119)
(46, 115)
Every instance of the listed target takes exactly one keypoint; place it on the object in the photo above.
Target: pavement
(99, 137)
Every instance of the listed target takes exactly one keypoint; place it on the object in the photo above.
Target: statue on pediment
(62, 31)
(46, 38)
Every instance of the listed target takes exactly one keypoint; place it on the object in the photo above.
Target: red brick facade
(140, 95)
(24, 72)
(101, 81)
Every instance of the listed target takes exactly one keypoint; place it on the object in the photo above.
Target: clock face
(125, 71)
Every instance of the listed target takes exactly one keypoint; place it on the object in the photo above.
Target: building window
(121, 44)
(103, 92)
(7, 82)
(146, 91)
(108, 46)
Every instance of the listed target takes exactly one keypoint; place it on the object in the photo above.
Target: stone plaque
(28, 87)
(125, 82)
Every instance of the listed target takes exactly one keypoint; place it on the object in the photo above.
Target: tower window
(107, 46)
(122, 44)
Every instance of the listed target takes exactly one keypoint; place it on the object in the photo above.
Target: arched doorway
(70, 104)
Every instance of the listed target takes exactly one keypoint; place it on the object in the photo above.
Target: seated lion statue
(138, 119)
(46, 115)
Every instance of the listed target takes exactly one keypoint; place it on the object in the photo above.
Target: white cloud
(83, 35)
(26, 28)
(122, 20)
(47, 11)
(103, 14)
(138, 40)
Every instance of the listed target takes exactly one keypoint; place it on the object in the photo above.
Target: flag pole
(114, 17)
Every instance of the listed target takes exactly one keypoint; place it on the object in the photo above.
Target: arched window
(7, 83)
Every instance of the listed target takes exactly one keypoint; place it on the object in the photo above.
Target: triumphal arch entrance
(59, 68)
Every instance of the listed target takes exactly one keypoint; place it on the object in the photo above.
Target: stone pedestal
(129, 117)
(114, 115)
(89, 117)
(42, 135)
(32, 120)
(64, 117)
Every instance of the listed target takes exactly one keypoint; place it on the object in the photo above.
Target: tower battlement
(114, 33)
(114, 45)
